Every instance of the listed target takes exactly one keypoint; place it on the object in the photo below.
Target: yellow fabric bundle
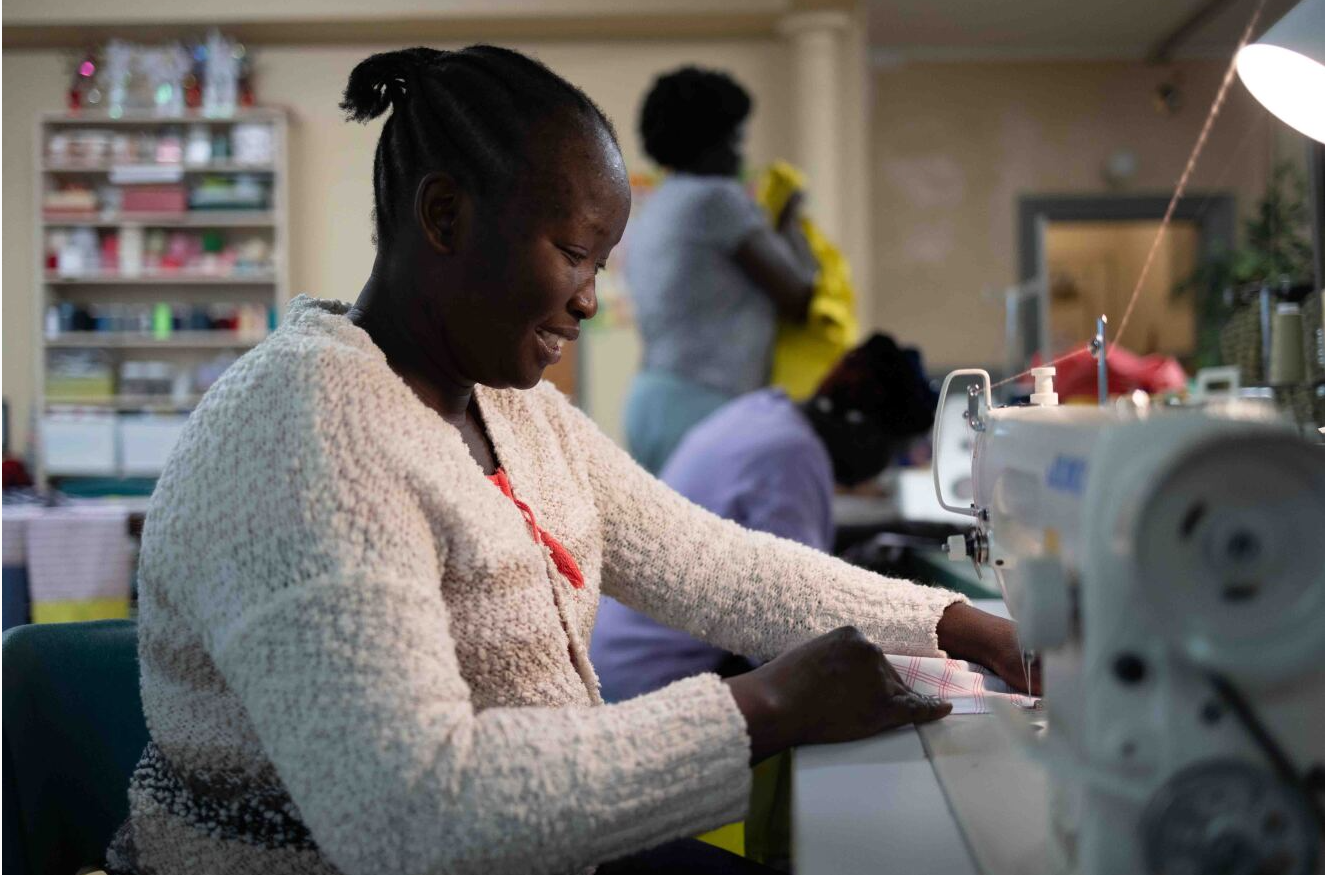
(803, 354)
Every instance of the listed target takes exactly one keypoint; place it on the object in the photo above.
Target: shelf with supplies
(130, 118)
(187, 219)
(134, 340)
(150, 172)
(162, 279)
(164, 254)
(129, 402)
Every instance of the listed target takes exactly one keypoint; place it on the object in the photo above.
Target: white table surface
(954, 798)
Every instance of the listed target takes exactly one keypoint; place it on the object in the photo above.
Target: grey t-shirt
(700, 315)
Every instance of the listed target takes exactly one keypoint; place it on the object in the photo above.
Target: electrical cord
(1278, 758)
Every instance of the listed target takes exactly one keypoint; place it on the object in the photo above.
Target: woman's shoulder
(717, 209)
(316, 355)
(694, 190)
(314, 400)
(313, 388)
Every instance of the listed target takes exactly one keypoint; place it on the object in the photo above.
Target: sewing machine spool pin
(1099, 350)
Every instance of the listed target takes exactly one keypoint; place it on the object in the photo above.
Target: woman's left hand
(969, 633)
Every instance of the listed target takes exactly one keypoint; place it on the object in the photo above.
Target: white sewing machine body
(1154, 558)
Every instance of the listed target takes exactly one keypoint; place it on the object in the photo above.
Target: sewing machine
(1167, 566)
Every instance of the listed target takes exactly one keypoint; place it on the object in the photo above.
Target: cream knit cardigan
(355, 657)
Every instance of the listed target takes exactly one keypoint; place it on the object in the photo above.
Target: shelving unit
(183, 350)
(131, 402)
(174, 278)
(172, 169)
(215, 219)
(134, 340)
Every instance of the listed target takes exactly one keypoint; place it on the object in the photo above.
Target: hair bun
(384, 80)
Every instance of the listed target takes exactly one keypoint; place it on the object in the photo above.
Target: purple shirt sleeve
(786, 497)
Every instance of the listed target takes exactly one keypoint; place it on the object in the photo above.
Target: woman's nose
(585, 303)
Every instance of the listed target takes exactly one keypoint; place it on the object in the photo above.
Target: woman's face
(726, 158)
(525, 276)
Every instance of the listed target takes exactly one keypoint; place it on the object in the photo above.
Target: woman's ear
(437, 209)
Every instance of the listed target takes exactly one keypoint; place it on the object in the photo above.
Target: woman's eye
(573, 256)
(600, 267)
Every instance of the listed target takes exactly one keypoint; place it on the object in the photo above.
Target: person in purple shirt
(770, 464)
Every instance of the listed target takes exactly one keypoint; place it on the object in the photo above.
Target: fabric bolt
(804, 353)
(15, 532)
(80, 563)
(699, 315)
(968, 685)
(17, 600)
(756, 461)
(345, 629)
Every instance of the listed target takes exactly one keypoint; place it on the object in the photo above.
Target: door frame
(1215, 215)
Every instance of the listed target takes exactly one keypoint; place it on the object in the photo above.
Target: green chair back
(73, 732)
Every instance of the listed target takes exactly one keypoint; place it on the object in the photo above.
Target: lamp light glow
(1285, 68)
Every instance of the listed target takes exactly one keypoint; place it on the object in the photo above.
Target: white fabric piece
(79, 553)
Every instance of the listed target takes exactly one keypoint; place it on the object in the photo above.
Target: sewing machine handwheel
(1228, 552)
(1228, 817)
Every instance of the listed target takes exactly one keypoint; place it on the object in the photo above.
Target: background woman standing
(708, 274)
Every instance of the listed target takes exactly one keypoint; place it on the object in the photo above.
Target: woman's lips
(550, 343)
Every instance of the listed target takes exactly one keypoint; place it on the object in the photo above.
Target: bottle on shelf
(131, 251)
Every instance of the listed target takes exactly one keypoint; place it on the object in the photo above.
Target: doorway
(1082, 256)
(1092, 269)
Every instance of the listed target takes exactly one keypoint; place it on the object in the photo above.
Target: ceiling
(1070, 28)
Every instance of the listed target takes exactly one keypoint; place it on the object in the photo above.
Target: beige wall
(956, 144)
(61, 12)
(330, 183)
(1093, 267)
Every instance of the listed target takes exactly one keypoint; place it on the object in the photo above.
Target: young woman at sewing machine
(370, 571)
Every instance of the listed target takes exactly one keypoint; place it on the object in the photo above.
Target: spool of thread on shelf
(1287, 361)
(162, 319)
(131, 251)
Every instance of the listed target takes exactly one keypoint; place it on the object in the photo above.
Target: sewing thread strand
(1192, 158)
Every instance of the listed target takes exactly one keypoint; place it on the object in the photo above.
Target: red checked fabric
(561, 557)
(968, 686)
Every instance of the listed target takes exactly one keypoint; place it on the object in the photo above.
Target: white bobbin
(1044, 394)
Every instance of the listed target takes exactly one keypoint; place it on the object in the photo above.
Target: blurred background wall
(921, 123)
(957, 142)
(305, 50)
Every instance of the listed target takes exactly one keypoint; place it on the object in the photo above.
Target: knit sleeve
(325, 618)
(744, 591)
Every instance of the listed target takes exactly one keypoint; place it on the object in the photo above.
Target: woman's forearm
(968, 633)
(963, 632)
(794, 234)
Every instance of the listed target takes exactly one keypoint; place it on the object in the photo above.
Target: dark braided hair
(874, 400)
(470, 113)
(689, 111)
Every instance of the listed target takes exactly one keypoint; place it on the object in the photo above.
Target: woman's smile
(550, 341)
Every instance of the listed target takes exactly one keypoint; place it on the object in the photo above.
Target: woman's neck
(379, 311)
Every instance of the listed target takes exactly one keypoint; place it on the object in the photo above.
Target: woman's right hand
(791, 211)
(838, 687)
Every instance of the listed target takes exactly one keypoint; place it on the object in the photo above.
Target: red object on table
(15, 473)
(1127, 372)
